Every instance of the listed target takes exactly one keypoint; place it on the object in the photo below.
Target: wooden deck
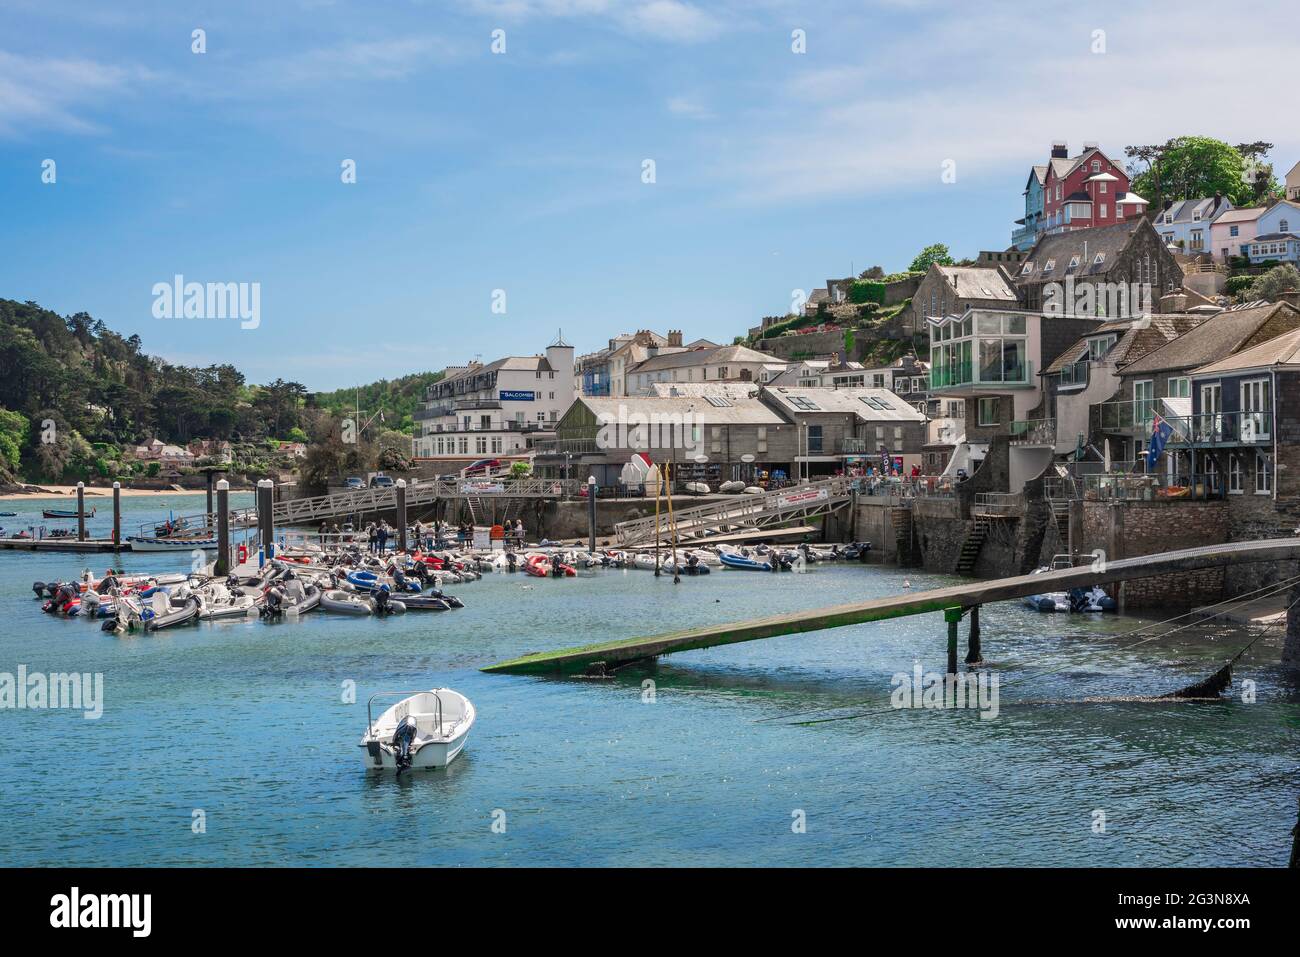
(965, 595)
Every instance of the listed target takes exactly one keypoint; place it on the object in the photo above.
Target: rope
(1262, 592)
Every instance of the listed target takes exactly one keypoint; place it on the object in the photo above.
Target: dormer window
(1096, 166)
(1169, 218)
(1074, 262)
(1196, 216)
(1029, 267)
(1101, 258)
(1051, 264)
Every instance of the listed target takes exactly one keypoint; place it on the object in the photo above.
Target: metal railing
(1137, 416)
(1153, 486)
(998, 503)
(1034, 432)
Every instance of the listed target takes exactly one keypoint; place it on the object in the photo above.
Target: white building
(702, 364)
(495, 409)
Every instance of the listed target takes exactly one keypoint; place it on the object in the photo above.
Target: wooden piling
(1291, 645)
(222, 566)
(401, 515)
(973, 654)
(953, 617)
(117, 516)
(81, 511)
(265, 525)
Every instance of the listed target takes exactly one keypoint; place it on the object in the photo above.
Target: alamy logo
(650, 430)
(75, 909)
(213, 300)
(1087, 300)
(965, 690)
(57, 690)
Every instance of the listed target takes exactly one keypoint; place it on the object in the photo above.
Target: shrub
(1236, 284)
(867, 290)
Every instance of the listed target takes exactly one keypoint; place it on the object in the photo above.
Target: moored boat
(424, 731)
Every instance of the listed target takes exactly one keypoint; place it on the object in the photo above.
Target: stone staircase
(970, 548)
(904, 535)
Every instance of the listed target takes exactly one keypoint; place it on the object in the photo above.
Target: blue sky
(522, 171)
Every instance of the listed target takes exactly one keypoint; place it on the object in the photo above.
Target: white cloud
(41, 93)
(386, 59)
(672, 20)
(689, 107)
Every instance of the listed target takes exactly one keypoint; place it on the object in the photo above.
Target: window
(1074, 263)
(1143, 403)
(1051, 264)
(1283, 226)
(814, 439)
(716, 444)
(1028, 268)
(1103, 208)
(496, 444)
(480, 444)
(1263, 474)
(806, 404)
(1100, 258)
(1235, 484)
(1234, 231)
(1255, 405)
(1098, 347)
(878, 381)
(1210, 425)
(1180, 387)
(988, 411)
(761, 438)
(718, 402)
(1196, 216)
(1101, 188)
(1096, 166)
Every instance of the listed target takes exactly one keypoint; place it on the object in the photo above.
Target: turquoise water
(244, 722)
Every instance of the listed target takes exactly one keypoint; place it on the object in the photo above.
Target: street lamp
(591, 511)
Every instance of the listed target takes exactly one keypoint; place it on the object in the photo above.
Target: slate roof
(1247, 215)
(845, 400)
(1185, 210)
(1217, 337)
(978, 282)
(696, 357)
(1061, 247)
(1133, 342)
(1283, 350)
(740, 411)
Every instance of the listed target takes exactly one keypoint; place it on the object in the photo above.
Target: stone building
(951, 290)
(1125, 258)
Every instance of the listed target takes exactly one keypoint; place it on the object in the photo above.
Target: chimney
(674, 337)
(1089, 146)
(1060, 149)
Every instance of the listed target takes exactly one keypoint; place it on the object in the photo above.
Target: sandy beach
(98, 492)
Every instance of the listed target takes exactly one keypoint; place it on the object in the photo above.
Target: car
(382, 481)
(353, 483)
(481, 467)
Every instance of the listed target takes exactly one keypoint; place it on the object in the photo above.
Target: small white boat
(345, 603)
(424, 731)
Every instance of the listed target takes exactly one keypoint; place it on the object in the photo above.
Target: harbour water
(244, 727)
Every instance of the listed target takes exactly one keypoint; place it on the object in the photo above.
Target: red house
(1086, 190)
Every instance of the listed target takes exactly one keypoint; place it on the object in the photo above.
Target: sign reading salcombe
(509, 395)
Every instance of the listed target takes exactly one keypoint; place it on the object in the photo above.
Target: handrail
(370, 720)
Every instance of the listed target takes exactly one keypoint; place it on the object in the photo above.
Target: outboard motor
(512, 561)
(403, 741)
(39, 588)
(556, 570)
(381, 596)
(274, 605)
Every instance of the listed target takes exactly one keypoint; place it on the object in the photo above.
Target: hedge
(867, 290)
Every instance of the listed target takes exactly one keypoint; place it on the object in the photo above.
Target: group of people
(382, 537)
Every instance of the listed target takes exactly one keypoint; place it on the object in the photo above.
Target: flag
(1160, 432)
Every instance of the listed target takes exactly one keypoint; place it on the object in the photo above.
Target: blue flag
(1160, 432)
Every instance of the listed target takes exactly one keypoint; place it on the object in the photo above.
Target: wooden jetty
(954, 601)
(68, 544)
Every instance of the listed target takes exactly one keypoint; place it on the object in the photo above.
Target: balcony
(566, 447)
(1034, 432)
(1137, 418)
(967, 377)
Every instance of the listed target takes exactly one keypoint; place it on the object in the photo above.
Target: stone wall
(1133, 529)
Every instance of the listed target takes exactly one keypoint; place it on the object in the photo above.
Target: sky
(502, 195)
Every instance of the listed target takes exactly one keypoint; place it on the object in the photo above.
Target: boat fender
(403, 740)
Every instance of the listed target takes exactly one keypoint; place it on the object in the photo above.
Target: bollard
(223, 529)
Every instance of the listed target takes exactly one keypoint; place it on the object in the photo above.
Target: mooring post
(953, 617)
(81, 511)
(973, 655)
(591, 512)
(401, 515)
(208, 476)
(117, 517)
(1291, 646)
(265, 497)
(223, 529)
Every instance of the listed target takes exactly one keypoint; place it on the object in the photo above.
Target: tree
(1192, 167)
(1279, 279)
(874, 272)
(936, 253)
